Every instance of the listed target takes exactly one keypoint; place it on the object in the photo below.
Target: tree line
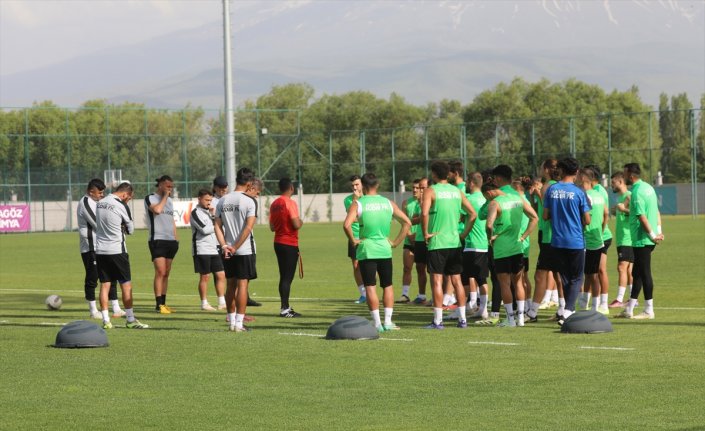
(322, 140)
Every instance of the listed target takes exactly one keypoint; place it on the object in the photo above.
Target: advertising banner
(14, 218)
(182, 212)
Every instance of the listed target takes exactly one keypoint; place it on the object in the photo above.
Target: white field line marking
(396, 339)
(301, 334)
(4, 321)
(606, 348)
(52, 324)
(494, 343)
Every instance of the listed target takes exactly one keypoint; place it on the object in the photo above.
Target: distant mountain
(424, 51)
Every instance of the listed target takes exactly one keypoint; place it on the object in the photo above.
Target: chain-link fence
(48, 154)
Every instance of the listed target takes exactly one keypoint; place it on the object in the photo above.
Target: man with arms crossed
(113, 221)
(440, 212)
(206, 258)
(625, 253)
(285, 222)
(236, 215)
(645, 230)
(373, 247)
(85, 214)
(163, 242)
(420, 248)
(568, 209)
(356, 187)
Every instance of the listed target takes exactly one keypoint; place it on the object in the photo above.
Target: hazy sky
(35, 33)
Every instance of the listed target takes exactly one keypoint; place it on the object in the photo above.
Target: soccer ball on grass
(53, 302)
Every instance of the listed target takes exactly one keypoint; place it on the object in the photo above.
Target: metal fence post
(693, 165)
(184, 154)
(68, 165)
(533, 146)
(651, 148)
(26, 163)
(425, 143)
(394, 170)
(609, 145)
(362, 152)
(330, 176)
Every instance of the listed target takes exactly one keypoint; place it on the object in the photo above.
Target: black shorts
(525, 263)
(592, 261)
(207, 263)
(509, 264)
(241, 267)
(475, 265)
(625, 253)
(113, 267)
(608, 243)
(163, 248)
(420, 252)
(409, 247)
(352, 251)
(446, 261)
(547, 261)
(369, 268)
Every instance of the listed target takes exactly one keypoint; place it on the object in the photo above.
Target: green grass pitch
(189, 372)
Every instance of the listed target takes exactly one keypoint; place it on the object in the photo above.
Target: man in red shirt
(285, 222)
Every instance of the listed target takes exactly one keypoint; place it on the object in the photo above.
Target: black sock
(163, 297)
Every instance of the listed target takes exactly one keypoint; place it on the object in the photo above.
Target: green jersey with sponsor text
(443, 217)
(593, 232)
(607, 234)
(643, 202)
(622, 231)
(413, 208)
(375, 217)
(477, 238)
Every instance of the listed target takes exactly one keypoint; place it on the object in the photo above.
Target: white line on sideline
(494, 343)
(606, 348)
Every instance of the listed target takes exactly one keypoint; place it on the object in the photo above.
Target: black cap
(220, 181)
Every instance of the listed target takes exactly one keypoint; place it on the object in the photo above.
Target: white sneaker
(603, 310)
(624, 315)
(480, 314)
(520, 320)
(207, 307)
(543, 305)
(454, 315)
(222, 306)
(96, 315)
(644, 316)
(119, 313)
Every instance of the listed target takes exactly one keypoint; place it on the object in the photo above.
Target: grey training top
(161, 226)
(85, 214)
(234, 209)
(204, 240)
(112, 215)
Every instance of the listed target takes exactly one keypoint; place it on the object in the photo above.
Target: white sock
(520, 307)
(561, 305)
(239, 318)
(603, 300)
(588, 297)
(510, 312)
(649, 308)
(533, 309)
(447, 300)
(494, 314)
(92, 306)
(437, 315)
(483, 302)
(473, 300)
(405, 290)
(453, 299)
(375, 318)
(595, 303)
(629, 289)
(204, 302)
(554, 295)
(620, 294)
(631, 305)
(567, 313)
(388, 315)
(221, 300)
(363, 291)
(130, 314)
(116, 305)
(106, 316)
(231, 319)
(547, 295)
(462, 314)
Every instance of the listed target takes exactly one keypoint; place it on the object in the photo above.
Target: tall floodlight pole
(230, 153)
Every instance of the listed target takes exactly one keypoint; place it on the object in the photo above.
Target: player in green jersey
(410, 207)
(420, 248)
(645, 230)
(440, 212)
(625, 253)
(594, 241)
(455, 177)
(356, 187)
(373, 248)
(503, 228)
(606, 234)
